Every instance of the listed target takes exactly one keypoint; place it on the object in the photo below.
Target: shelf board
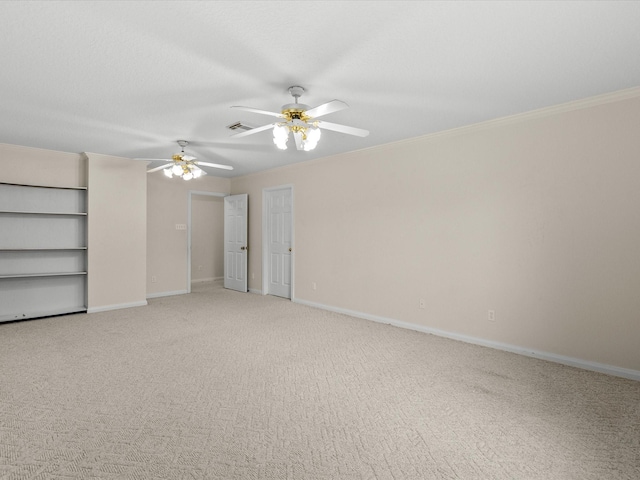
(42, 186)
(43, 249)
(14, 212)
(39, 275)
(40, 314)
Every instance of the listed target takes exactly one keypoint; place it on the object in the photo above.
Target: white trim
(620, 95)
(534, 114)
(210, 279)
(265, 239)
(166, 294)
(211, 194)
(255, 290)
(189, 199)
(528, 352)
(106, 308)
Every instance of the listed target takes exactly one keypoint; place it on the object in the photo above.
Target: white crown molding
(620, 95)
(581, 104)
(617, 96)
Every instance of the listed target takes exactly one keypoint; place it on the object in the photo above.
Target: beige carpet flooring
(223, 385)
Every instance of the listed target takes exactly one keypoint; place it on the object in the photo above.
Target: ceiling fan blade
(253, 130)
(263, 112)
(215, 165)
(298, 138)
(160, 168)
(343, 129)
(326, 108)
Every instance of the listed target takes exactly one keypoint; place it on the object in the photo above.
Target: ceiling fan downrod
(296, 92)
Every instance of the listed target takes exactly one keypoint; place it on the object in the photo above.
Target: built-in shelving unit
(43, 251)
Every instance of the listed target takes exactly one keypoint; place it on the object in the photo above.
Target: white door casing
(235, 242)
(278, 213)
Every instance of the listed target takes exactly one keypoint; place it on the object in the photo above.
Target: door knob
(289, 248)
(241, 248)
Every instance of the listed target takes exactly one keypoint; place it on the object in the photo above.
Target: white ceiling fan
(182, 165)
(300, 120)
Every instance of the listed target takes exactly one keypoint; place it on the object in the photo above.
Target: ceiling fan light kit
(184, 166)
(184, 170)
(298, 119)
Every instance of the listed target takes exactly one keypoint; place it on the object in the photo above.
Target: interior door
(235, 241)
(279, 226)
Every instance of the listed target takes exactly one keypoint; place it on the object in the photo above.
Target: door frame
(189, 200)
(265, 238)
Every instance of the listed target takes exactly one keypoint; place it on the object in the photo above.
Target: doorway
(278, 254)
(205, 237)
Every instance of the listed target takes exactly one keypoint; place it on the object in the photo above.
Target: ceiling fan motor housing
(295, 111)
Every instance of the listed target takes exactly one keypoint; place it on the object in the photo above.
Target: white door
(279, 247)
(235, 242)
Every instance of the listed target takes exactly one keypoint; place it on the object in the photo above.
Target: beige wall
(116, 235)
(36, 166)
(207, 237)
(535, 217)
(167, 247)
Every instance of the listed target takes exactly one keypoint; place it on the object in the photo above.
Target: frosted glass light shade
(280, 136)
(313, 136)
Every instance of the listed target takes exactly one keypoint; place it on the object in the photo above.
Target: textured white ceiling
(130, 78)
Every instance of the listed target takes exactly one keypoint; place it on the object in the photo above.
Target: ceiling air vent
(239, 126)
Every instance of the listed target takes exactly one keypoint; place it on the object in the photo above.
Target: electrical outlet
(423, 303)
(491, 315)
(253, 276)
(314, 285)
(154, 279)
(199, 267)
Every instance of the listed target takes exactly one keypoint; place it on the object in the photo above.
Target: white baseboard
(166, 294)
(255, 290)
(106, 308)
(210, 279)
(552, 357)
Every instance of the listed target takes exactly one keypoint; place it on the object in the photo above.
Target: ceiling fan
(182, 165)
(300, 120)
